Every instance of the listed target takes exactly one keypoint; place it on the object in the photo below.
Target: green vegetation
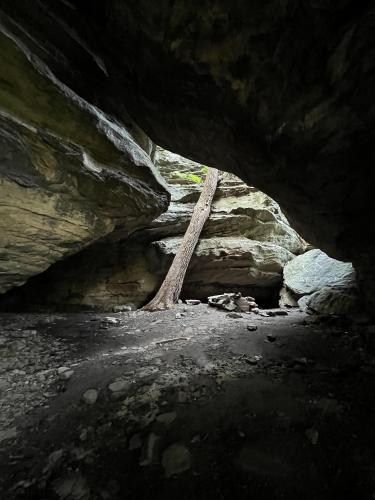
(189, 177)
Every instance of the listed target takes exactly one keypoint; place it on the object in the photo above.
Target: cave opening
(259, 382)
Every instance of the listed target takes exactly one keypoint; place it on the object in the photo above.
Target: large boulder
(69, 174)
(314, 270)
(334, 300)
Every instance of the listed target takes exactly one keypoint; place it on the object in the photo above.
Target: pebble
(166, 418)
(124, 308)
(281, 312)
(312, 435)
(176, 459)
(90, 396)
(118, 386)
(135, 442)
(66, 375)
(192, 302)
(234, 315)
(149, 454)
(252, 328)
(271, 338)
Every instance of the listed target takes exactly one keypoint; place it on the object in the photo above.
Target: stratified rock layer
(245, 244)
(69, 175)
(228, 264)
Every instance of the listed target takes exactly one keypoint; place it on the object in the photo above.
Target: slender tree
(170, 290)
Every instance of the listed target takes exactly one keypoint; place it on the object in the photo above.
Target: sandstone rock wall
(69, 174)
(244, 246)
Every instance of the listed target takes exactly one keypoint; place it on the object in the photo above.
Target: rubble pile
(234, 302)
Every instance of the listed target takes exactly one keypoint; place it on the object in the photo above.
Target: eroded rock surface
(229, 264)
(313, 270)
(69, 174)
(320, 284)
(245, 244)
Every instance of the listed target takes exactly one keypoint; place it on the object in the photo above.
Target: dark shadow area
(283, 411)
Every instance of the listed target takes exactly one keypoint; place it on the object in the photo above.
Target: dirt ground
(189, 403)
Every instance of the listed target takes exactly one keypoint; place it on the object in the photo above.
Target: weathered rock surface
(69, 174)
(237, 210)
(314, 270)
(331, 300)
(320, 285)
(246, 242)
(228, 264)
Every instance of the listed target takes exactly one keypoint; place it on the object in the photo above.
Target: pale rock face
(228, 264)
(237, 209)
(313, 270)
(321, 284)
(69, 175)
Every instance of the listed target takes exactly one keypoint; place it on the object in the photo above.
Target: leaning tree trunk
(170, 290)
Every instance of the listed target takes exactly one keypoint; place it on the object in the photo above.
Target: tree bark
(170, 290)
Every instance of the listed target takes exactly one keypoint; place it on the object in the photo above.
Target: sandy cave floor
(140, 405)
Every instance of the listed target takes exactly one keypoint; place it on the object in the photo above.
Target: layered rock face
(69, 175)
(226, 264)
(245, 245)
(281, 93)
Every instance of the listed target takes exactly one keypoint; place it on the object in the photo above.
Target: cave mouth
(270, 398)
(101, 400)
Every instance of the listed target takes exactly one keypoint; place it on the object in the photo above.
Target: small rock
(150, 452)
(123, 308)
(118, 387)
(176, 459)
(178, 316)
(234, 315)
(135, 442)
(252, 361)
(271, 338)
(62, 369)
(110, 320)
(66, 374)
(192, 302)
(90, 396)
(53, 459)
(166, 418)
(255, 310)
(252, 328)
(312, 435)
(301, 361)
(280, 312)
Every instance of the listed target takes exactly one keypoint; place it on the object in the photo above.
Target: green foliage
(189, 177)
(204, 169)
